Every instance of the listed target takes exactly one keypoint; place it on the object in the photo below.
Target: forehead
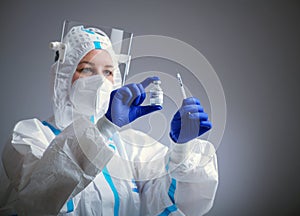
(98, 57)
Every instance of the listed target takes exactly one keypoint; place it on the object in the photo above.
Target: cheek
(75, 77)
(111, 79)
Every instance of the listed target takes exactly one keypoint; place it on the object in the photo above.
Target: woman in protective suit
(79, 162)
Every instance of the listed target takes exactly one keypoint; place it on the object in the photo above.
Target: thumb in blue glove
(124, 105)
(189, 122)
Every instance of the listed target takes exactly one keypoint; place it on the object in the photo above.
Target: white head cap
(78, 41)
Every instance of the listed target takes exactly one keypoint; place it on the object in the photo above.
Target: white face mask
(90, 96)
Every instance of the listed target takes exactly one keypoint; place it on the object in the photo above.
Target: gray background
(252, 45)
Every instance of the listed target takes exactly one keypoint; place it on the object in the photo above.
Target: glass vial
(156, 94)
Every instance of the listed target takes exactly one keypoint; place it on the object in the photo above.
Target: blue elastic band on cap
(87, 30)
(97, 44)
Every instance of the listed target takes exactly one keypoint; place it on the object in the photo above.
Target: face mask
(90, 96)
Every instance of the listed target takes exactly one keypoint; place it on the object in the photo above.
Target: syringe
(181, 86)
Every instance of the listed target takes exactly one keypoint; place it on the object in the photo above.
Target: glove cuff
(173, 138)
(180, 152)
(106, 128)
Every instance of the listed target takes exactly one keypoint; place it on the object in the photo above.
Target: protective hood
(78, 42)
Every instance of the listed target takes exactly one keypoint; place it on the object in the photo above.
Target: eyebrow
(93, 64)
(86, 62)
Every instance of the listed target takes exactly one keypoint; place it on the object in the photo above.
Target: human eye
(86, 71)
(107, 73)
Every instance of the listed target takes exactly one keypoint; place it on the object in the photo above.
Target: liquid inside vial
(156, 94)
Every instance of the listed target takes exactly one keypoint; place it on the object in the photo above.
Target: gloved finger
(124, 94)
(142, 96)
(192, 108)
(149, 80)
(144, 110)
(202, 116)
(190, 101)
(136, 93)
(206, 124)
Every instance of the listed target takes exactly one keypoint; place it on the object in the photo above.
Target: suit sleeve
(44, 176)
(195, 176)
(190, 185)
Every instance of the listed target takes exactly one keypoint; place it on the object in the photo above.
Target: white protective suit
(46, 171)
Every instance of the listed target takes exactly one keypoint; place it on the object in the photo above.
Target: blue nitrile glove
(124, 105)
(189, 121)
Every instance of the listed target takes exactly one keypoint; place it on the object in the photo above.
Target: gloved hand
(189, 122)
(124, 105)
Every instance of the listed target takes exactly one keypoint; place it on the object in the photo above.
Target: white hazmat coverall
(47, 171)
